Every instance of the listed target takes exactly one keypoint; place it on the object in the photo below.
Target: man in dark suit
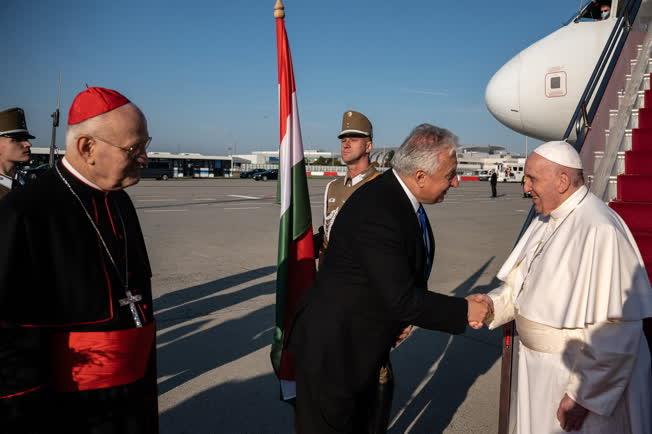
(494, 182)
(372, 284)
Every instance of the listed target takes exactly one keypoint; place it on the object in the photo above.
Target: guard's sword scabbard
(53, 143)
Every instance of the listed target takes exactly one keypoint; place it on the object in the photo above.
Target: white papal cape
(577, 288)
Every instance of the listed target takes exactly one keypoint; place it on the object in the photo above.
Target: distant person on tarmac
(14, 146)
(493, 181)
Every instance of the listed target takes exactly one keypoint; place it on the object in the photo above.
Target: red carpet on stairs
(638, 162)
(634, 198)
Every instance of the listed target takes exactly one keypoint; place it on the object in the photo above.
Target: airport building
(474, 163)
(165, 164)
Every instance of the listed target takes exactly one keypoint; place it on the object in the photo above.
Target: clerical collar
(413, 200)
(78, 175)
(6, 181)
(359, 177)
(569, 204)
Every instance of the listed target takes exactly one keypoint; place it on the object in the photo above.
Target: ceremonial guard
(14, 146)
(356, 140)
(77, 335)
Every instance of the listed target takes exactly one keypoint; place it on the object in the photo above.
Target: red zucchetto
(92, 102)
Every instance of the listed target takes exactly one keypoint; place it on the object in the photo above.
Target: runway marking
(205, 198)
(244, 197)
(156, 200)
(165, 210)
(246, 207)
(259, 335)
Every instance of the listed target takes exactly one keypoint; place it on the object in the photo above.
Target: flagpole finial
(279, 9)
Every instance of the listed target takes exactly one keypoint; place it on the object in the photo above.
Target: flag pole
(295, 271)
(279, 12)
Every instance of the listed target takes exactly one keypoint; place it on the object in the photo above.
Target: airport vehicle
(588, 83)
(484, 175)
(157, 169)
(268, 174)
(511, 171)
(251, 173)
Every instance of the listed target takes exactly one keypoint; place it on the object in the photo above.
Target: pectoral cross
(131, 300)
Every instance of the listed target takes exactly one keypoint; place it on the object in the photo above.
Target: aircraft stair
(632, 173)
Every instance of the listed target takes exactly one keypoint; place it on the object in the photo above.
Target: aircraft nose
(502, 94)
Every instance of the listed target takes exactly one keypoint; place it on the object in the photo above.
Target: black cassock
(71, 356)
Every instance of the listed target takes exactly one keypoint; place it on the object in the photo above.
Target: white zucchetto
(560, 152)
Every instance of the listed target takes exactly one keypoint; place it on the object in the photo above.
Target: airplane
(536, 92)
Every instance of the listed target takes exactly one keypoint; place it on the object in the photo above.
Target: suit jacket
(370, 286)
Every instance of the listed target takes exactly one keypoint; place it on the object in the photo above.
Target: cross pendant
(131, 300)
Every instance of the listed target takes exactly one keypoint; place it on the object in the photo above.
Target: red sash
(97, 360)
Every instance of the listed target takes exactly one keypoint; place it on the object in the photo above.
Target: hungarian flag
(296, 264)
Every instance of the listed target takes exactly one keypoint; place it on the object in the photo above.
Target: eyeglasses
(133, 150)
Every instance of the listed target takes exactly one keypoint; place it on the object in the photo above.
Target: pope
(576, 285)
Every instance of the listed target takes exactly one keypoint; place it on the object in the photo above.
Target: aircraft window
(596, 10)
(555, 84)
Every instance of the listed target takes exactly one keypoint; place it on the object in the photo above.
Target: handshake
(480, 310)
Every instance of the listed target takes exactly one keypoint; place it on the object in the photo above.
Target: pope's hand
(480, 307)
(570, 414)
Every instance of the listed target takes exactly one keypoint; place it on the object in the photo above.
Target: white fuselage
(537, 91)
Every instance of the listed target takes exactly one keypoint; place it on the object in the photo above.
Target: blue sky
(204, 71)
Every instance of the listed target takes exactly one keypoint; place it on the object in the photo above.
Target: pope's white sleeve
(504, 310)
(602, 364)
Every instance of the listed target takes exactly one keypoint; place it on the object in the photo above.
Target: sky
(204, 71)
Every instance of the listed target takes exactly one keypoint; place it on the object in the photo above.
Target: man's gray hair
(421, 149)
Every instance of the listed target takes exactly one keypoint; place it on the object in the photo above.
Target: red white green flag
(296, 264)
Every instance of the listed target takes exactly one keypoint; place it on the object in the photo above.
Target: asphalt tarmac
(212, 246)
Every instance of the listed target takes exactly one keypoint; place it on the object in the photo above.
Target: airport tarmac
(212, 246)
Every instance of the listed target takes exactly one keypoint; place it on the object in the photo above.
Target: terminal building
(165, 164)
(474, 163)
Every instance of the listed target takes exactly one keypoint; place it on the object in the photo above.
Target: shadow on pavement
(186, 351)
(427, 398)
(250, 406)
(192, 293)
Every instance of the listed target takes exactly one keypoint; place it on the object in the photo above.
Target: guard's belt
(97, 360)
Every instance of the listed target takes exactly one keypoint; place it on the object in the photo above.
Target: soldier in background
(356, 140)
(14, 146)
(356, 145)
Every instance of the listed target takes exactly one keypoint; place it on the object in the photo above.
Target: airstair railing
(590, 100)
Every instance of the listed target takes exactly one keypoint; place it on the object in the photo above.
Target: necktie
(425, 234)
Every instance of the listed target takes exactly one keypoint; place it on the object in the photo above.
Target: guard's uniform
(337, 192)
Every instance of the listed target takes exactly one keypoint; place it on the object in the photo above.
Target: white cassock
(577, 288)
